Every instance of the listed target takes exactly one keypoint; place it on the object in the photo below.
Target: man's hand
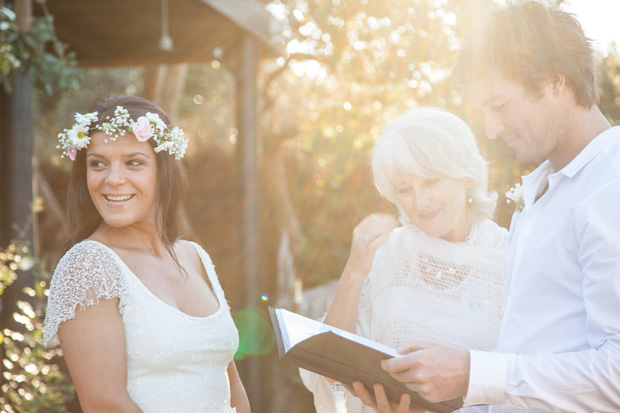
(380, 402)
(435, 372)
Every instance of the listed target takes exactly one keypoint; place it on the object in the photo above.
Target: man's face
(534, 126)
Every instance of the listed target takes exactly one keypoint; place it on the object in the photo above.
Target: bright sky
(599, 19)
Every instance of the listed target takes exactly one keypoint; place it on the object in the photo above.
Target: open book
(342, 356)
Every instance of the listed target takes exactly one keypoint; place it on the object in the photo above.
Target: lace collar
(473, 239)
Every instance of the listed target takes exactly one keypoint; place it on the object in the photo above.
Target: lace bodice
(175, 362)
(423, 288)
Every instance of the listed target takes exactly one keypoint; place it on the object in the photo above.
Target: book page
(297, 328)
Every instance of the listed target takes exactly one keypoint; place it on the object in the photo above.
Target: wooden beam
(252, 17)
(133, 29)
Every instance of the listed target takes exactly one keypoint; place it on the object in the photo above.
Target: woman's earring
(469, 200)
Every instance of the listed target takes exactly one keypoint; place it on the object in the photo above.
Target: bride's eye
(135, 162)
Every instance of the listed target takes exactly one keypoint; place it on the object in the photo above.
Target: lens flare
(264, 297)
(255, 334)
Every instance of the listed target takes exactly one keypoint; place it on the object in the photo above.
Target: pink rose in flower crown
(142, 129)
(72, 152)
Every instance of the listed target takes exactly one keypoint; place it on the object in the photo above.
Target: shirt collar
(535, 181)
(590, 151)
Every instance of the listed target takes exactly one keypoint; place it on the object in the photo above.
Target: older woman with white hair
(439, 276)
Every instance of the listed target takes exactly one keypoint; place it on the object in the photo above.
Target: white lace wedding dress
(175, 362)
(428, 289)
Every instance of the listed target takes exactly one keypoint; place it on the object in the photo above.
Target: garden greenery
(37, 53)
(32, 379)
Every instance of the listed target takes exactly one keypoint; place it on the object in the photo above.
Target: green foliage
(609, 85)
(8, 61)
(49, 70)
(12, 259)
(33, 381)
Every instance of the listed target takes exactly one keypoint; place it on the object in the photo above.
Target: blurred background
(282, 102)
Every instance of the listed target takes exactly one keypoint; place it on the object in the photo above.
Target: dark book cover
(343, 357)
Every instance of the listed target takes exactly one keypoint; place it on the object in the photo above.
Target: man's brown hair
(532, 44)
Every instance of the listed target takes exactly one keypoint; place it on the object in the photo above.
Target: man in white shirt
(530, 71)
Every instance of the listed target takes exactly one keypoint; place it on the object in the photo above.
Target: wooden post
(16, 151)
(23, 15)
(247, 152)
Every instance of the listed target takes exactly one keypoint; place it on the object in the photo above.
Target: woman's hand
(379, 402)
(368, 236)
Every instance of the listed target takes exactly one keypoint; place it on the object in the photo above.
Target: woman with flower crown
(139, 313)
(438, 277)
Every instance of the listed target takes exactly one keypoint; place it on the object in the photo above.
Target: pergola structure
(146, 32)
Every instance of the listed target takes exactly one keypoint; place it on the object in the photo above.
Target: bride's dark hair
(172, 182)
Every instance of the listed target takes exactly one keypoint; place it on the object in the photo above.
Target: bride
(439, 276)
(142, 320)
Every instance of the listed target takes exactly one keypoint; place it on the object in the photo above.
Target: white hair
(426, 141)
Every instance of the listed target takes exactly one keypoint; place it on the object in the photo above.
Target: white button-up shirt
(559, 344)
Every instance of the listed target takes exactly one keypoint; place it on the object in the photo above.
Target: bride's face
(436, 204)
(122, 180)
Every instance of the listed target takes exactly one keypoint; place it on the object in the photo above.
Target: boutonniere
(515, 194)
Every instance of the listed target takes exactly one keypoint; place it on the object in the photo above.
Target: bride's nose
(116, 175)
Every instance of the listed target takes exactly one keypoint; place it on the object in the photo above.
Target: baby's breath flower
(515, 194)
(154, 117)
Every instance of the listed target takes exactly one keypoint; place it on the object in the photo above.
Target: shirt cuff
(487, 378)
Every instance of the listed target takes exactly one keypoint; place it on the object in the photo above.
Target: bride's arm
(93, 344)
(238, 397)
(368, 236)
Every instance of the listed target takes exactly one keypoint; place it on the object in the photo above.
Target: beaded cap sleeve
(85, 274)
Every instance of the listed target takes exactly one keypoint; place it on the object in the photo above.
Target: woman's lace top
(175, 362)
(424, 288)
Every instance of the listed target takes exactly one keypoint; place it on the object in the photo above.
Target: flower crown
(144, 128)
